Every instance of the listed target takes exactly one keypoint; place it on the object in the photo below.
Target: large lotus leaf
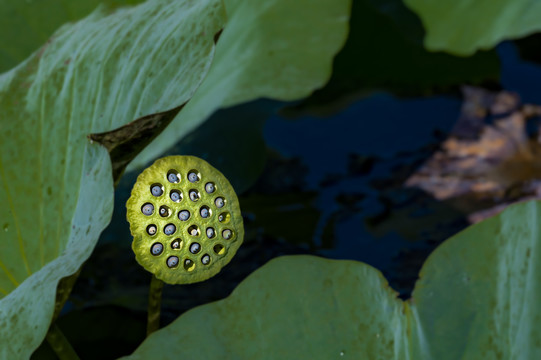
(478, 298)
(56, 186)
(464, 26)
(368, 63)
(479, 293)
(278, 49)
(24, 28)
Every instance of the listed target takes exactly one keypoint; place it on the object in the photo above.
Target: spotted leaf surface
(464, 26)
(185, 219)
(279, 49)
(56, 187)
(477, 298)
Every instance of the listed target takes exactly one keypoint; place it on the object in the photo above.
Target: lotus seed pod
(184, 239)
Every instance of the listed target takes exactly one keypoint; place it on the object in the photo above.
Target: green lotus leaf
(56, 186)
(280, 49)
(477, 298)
(399, 36)
(464, 26)
(24, 28)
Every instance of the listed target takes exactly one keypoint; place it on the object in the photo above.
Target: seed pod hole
(224, 217)
(183, 215)
(219, 249)
(189, 265)
(193, 176)
(156, 249)
(147, 209)
(210, 187)
(193, 230)
(205, 212)
(195, 248)
(194, 195)
(219, 202)
(210, 233)
(156, 189)
(173, 176)
(176, 244)
(172, 261)
(227, 234)
(152, 229)
(205, 259)
(169, 229)
(175, 195)
(164, 211)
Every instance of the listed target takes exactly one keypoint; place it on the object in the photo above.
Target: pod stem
(154, 305)
(60, 344)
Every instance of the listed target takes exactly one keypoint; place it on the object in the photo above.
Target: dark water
(356, 162)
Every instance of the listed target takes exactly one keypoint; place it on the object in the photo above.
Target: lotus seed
(156, 249)
(172, 261)
(164, 211)
(194, 196)
(219, 202)
(147, 209)
(194, 248)
(193, 231)
(175, 196)
(169, 229)
(173, 178)
(209, 187)
(205, 259)
(151, 229)
(205, 213)
(175, 244)
(227, 234)
(210, 233)
(188, 264)
(221, 218)
(156, 190)
(192, 177)
(184, 215)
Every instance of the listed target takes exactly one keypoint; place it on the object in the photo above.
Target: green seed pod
(185, 220)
